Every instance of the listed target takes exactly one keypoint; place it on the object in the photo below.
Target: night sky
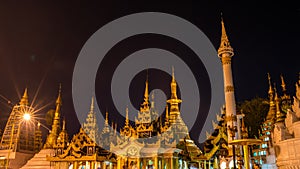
(40, 41)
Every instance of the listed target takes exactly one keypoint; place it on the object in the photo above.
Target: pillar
(92, 165)
(155, 162)
(246, 157)
(119, 163)
(138, 163)
(75, 165)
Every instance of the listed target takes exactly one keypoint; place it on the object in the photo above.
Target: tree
(49, 117)
(255, 111)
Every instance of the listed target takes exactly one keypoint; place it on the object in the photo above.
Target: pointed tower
(225, 53)
(177, 125)
(280, 116)
(90, 125)
(52, 137)
(296, 102)
(16, 125)
(144, 125)
(38, 138)
(272, 108)
(106, 125)
(62, 140)
(127, 118)
(166, 124)
(105, 135)
(265, 154)
(174, 101)
(286, 101)
(154, 113)
(24, 99)
(18, 136)
(127, 131)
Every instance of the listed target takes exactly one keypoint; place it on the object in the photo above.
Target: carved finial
(276, 95)
(64, 124)
(24, 99)
(283, 84)
(92, 105)
(271, 92)
(152, 100)
(173, 86)
(106, 118)
(58, 104)
(215, 125)
(173, 75)
(219, 118)
(280, 116)
(167, 113)
(127, 119)
(146, 94)
(207, 135)
(59, 100)
(225, 47)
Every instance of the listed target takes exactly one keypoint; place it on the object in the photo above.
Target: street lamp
(233, 130)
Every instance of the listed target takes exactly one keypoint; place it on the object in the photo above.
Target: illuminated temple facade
(20, 139)
(150, 143)
(156, 142)
(280, 131)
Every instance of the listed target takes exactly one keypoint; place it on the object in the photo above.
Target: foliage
(255, 111)
(49, 117)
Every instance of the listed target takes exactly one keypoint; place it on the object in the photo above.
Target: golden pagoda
(18, 142)
(148, 143)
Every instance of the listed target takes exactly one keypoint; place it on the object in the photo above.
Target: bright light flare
(26, 116)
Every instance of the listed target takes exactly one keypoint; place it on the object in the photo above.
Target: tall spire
(272, 108)
(173, 86)
(280, 116)
(152, 100)
(58, 106)
(64, 125)
(59, 100)
(92, 105)
(225, 53)
(63, 138)
(24, 99)
(174, 101)
(52, 137)
(115, 131)
(106, 125)
(127, 119)
(167, 115)
(225, 46)
(146, 95)
(283, 84)
(106, 118)
(271, 92)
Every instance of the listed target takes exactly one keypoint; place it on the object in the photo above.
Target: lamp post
(245, 143)
(26, 117)
(233, 130)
